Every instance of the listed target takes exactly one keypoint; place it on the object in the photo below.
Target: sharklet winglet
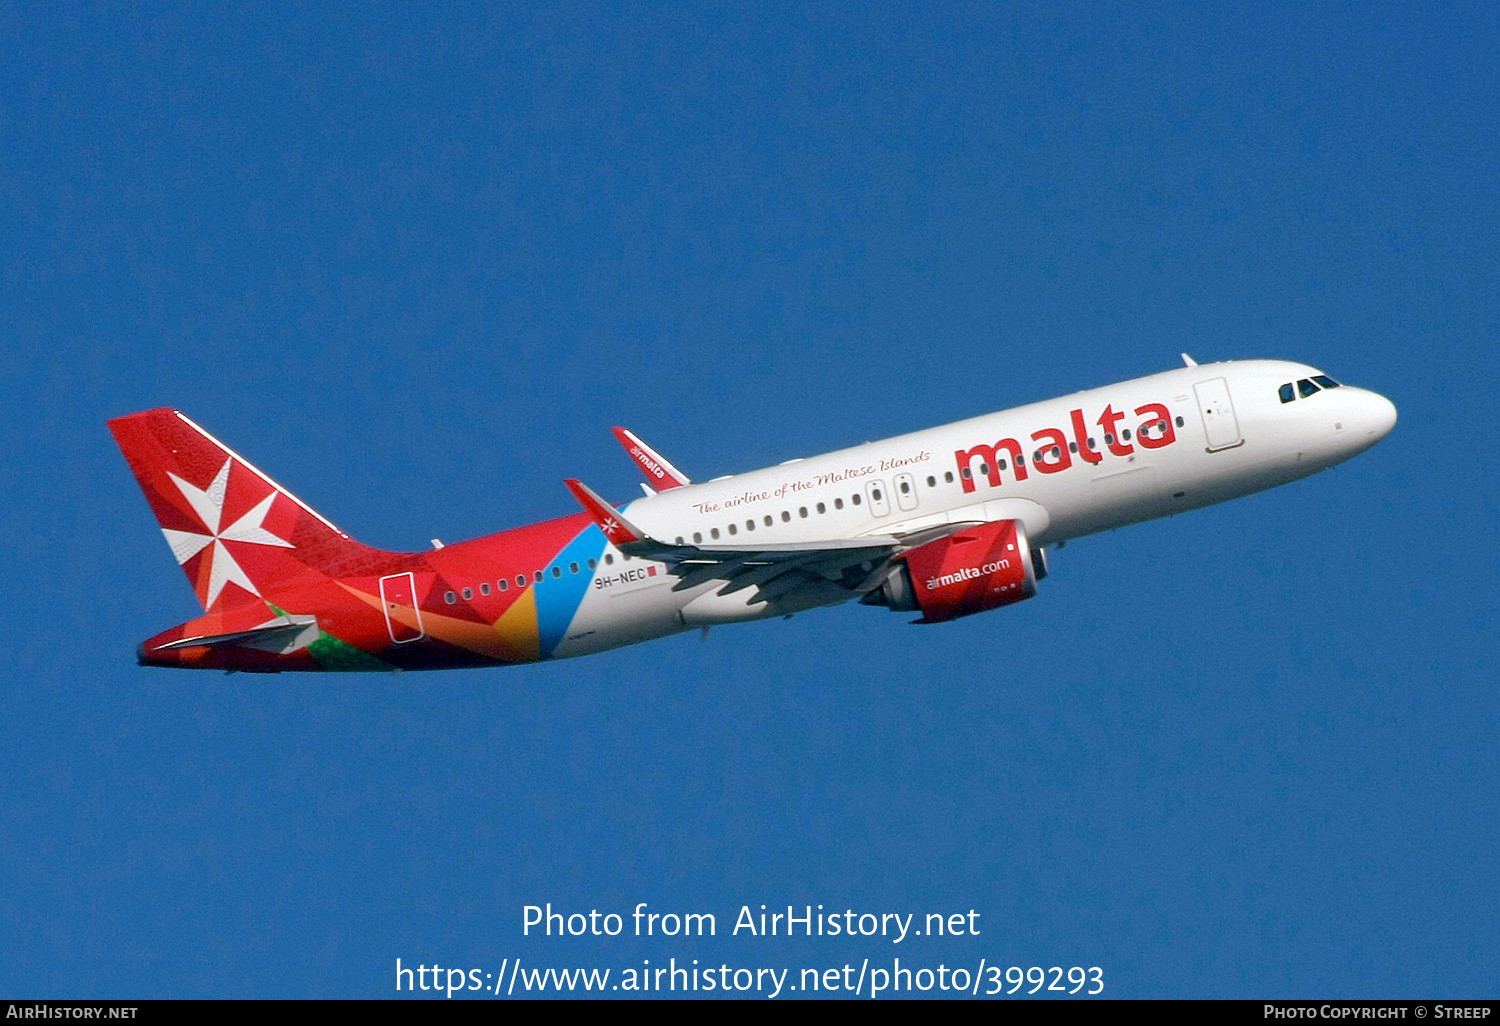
(615, 527)
(658, 470)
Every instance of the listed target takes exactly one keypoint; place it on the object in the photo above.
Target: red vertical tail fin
(236, 533)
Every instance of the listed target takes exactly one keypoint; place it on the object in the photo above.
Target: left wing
(856, 564)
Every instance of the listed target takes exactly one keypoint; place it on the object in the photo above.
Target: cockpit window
(1287, 395)
(1306, 387)
(1325, 381)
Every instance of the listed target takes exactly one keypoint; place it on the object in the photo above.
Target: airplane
(945, 523)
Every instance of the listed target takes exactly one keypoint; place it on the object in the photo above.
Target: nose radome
(1381, 416)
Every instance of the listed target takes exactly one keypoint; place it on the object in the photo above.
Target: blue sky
(416, 264)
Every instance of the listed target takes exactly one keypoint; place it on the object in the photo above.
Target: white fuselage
(1212, 432)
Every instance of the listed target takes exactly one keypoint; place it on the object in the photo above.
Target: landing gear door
(1219, 422)
(403, 617)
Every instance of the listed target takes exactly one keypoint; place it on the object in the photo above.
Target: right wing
(855, 564)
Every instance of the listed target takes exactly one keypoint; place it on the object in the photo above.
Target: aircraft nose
(1377, 414)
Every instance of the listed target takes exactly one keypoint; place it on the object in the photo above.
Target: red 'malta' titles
(1155, 432)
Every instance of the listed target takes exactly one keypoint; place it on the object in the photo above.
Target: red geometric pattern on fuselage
(523, 550)
(297, 562)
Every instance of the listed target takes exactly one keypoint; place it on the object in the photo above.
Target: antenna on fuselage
(1188, 361)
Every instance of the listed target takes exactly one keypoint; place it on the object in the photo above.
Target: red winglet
(658, 471)
(615, 527)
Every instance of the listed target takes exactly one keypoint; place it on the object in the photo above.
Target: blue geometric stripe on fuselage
(558, 598)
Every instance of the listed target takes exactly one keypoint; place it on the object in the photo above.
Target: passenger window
(449, 597)
(594, 562)
(713, 532)
(769, 521)
(1179, 422)
(1286, 393)
(984, 468)
(468, 594)
(537, 577)
(1325, 381)
(932, 482)
(855, 497)
(875, 495)
(733, 529)
(557, 571)
(697, 537)
(484, 589)
(1003, 464)
(1306, 387)
(905, 490)
(572, 568)
(838, 503)
(749, 525)
(504, 584)
(520, 580)
(1125, 434)
(948, 477)
(802, 512)
(609, 557)
(822, 508)
(786, 518)
(1072, 446)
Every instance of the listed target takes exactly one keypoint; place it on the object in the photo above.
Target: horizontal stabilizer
(279, 629)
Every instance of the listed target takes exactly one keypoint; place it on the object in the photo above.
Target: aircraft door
(403, 617)
(875, 495)
(906, 491)
(1219, 422)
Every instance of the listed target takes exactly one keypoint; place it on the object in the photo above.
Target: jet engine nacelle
(969, 571)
